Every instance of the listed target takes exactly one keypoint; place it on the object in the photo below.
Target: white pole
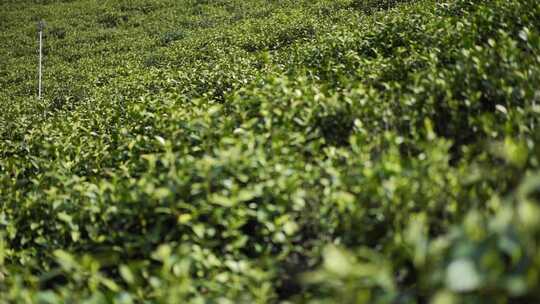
(40, 55)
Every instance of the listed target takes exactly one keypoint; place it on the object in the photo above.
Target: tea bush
(271, 152)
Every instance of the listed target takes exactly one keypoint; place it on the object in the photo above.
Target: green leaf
(461, 276)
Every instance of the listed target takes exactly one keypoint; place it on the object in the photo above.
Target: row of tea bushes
(271, 151)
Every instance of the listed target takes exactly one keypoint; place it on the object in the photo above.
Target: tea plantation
(270, 151)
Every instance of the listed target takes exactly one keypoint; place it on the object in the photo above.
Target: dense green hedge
(271, 151)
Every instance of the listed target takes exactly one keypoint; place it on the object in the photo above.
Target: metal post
(40, 26)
